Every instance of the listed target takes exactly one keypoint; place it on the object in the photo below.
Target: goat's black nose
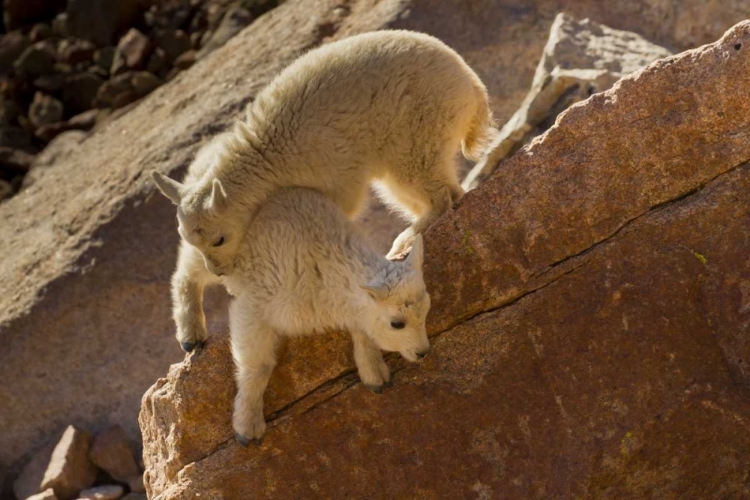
(421, 355)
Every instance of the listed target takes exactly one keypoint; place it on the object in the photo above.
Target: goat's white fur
(304, 268)
(392, 106)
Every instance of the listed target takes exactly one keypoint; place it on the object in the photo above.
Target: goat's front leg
(373, 372)
(254, 352)
(188, 282)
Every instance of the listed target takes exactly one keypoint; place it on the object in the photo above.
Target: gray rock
(80, 91)
(75, 51)
(132, 52)
(106, 492)
(45, 110)
(100, 21)
(172, 42)
(12, 45)
(37, 60)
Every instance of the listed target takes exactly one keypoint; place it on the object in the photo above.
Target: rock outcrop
(590, 315)
(87, 250)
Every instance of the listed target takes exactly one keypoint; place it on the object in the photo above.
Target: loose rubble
(60, 59)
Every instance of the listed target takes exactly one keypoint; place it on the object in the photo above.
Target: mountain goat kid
(305, 268)
(391, 106)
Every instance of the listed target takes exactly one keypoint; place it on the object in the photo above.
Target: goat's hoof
(191, 346)
(245, 442)
(377, 389)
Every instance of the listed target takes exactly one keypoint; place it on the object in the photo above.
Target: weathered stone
(70, 470)
(144, 82)
(79, 91)
(104, 57)
(591, 288)
(185, 60)
(60, 148)
(114, 87)
(234, 20)
(157, 61)
(50, 83)
(45, 110)
(13, 159)
(135, 484)
(40, 31)
(111, 452)
(85, 120)
(18, 13)
(51, 130)
(173, 42)
(100, 22)
(12, 45)
(37, 60)
(580, 59)
(83, 286)
(76, 51)
(48, 494)
(29, 482)
(132, 52)
(106, 492)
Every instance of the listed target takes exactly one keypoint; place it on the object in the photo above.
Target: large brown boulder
(590, 315)
(87, 250)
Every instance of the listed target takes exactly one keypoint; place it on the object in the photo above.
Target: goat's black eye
(219, 242)
(398, 325)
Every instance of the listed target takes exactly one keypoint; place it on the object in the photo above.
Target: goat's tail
(482, 127)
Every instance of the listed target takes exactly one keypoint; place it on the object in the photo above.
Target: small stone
(185, 60)
(6, 191)
(30, 479)
(104, 57)
(136, 485)
(107, 492)
(80, 91)
(60, 25)
(18, 161)
(112, 453)
(144, 82)
(70, 470)
(85, 121)
(48, 494)
(157, 61)
(131, 53)
(76, 51)
(49, 132)
(12, 45)
(40, 31)
(37, 60)
(114, 87)
(45, 110)
(50, 83)
(195, 39)
(172, 42)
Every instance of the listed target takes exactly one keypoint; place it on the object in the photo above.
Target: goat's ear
(377, 291)
(218, 197)
(169, 187)
(416, 255)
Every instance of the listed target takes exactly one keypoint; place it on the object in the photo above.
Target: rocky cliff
(86, 251)
(591, 306)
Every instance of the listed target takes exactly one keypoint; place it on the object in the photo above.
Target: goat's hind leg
(254, 352)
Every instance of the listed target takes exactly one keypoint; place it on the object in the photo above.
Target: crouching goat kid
(391, 107)
(304, 268)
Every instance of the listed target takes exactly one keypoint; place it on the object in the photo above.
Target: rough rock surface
(87, 250)
(111, 452)
(69, 470)
(590, 315)
(581, 58)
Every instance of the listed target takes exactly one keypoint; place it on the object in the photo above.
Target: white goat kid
(392, 106)
(304, 268)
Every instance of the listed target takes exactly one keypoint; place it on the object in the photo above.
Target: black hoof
(191, 346)
(242, 440)
(377, 389)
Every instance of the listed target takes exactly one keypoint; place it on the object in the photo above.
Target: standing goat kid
(305, 268)
(394, 107)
